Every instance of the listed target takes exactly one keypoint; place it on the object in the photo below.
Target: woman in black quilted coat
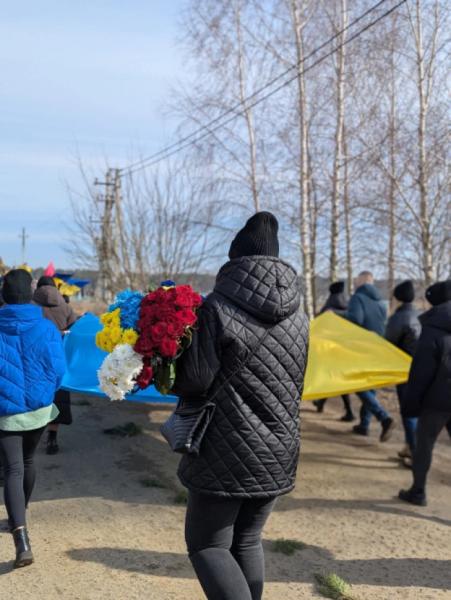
(250, 352)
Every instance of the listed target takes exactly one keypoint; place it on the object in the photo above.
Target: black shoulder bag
(185, 428)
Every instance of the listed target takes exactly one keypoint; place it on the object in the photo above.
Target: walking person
(403, 330)
(57, 310)
(337, 303)
(249, 352)
(31, 369)
(367, 309)
(428, 393)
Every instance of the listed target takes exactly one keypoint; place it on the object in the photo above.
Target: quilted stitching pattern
(251, 448)
(32, 360)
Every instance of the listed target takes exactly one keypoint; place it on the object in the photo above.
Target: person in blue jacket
(32, 366)
(366, 308)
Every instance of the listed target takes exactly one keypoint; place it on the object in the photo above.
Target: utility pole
(23, 236)
(122, 253)
(106, 243)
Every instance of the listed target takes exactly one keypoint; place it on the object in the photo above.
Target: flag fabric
(50, 270)
(343, 358)
(65, 288)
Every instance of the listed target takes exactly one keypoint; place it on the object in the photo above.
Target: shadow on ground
(408, 572)
(394, 507)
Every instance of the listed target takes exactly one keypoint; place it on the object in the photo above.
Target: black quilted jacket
(251, 448)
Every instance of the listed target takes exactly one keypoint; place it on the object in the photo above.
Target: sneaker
(413, 497)
(405, 452)
(319, 405)
(388, 426)
(359, 430)
(52, 447)
(347, 418)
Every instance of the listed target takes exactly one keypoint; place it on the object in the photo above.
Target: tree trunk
(247, 113)
(347, 218)
(338, 159)
(392, 231)
(303, 166)
(422, 152)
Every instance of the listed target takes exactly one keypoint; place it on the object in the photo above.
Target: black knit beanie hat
(17, 287)
(404, 292)
(257, 238)
(45, 280)
(338, 287)
(439, 292)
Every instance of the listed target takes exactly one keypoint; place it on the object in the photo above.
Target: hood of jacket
(438, 317)
(47, 295)
(367, 289)
(16, 319)
(265, 287)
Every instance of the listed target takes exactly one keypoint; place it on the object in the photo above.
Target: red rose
(145, 377)
(144, 346)
(158, 331)
(184, 296)
(176, 327)
(187, 317)
(168, 348)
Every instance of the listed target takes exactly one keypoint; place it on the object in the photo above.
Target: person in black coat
(428, 393)
(249, 353)
(337, 303)
(403, 330)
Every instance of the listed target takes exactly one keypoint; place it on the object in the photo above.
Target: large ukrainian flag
(345, 358)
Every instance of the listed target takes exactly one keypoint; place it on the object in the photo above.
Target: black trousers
(17, 449)
(224, 542)
(430, 424)
(346, 401)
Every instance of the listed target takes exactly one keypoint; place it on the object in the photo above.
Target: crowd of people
(249, 353)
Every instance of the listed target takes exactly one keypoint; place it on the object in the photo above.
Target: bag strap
(242, 364)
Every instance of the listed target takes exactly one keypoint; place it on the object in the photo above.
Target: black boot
(414, 496)
(24, 555)
(52, 444)
(348, 417)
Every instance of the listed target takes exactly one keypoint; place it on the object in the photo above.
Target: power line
(270, 83)
(218, 122)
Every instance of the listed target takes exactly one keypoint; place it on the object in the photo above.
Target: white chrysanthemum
(119, 370)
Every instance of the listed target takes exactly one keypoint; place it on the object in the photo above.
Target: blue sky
(89, 78)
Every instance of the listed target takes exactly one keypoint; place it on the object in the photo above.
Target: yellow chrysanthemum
(115, 334)
(102, 341)
(129, 336)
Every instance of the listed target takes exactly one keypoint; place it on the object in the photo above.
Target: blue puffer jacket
(32, 362)
(366, 308)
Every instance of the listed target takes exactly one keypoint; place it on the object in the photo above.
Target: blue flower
(130, 304)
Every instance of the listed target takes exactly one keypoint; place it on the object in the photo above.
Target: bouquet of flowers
(145, 334)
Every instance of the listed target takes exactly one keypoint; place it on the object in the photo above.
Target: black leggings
(430, 424)
(17, 449)
(223, 536)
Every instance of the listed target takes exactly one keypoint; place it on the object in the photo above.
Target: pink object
(50, 270)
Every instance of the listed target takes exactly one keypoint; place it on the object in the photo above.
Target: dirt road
(105, 525)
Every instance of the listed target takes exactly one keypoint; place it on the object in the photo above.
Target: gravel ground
(105, 523)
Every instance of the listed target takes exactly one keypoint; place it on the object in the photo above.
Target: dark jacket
(429, 385)
(251, 448)
(404, 328)
(366, 308)
(32, 360)
(337, 303)
(54, 306)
